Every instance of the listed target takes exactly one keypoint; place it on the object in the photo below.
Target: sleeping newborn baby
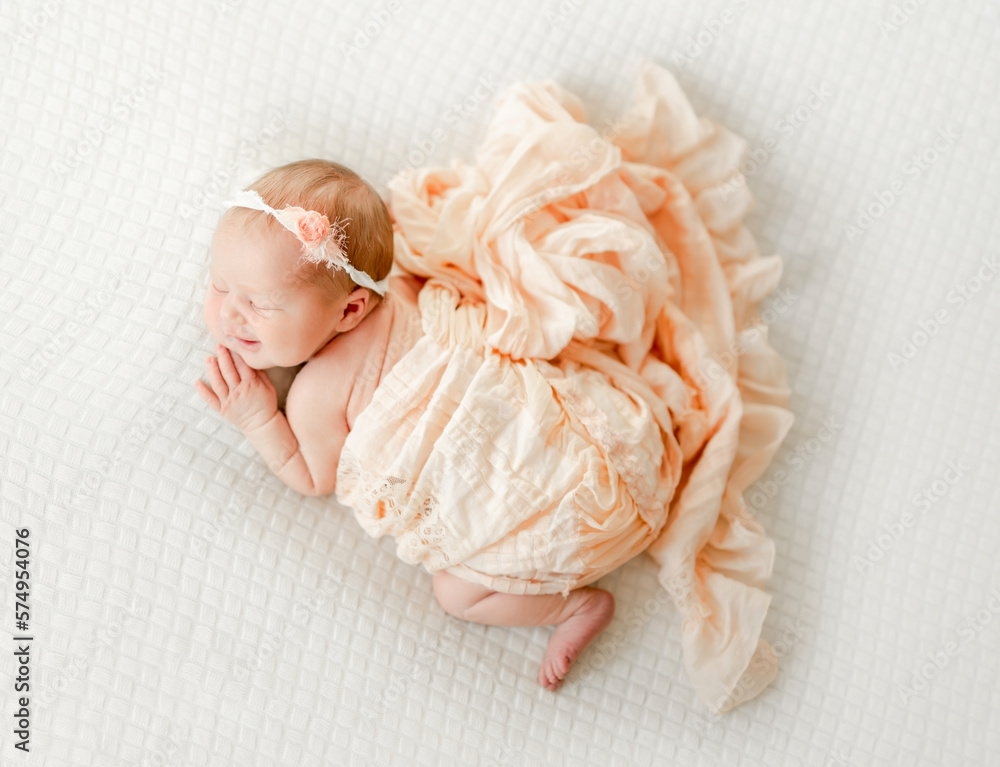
(300, 284)
(527, 369)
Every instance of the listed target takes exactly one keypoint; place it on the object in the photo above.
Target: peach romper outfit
(587, 386)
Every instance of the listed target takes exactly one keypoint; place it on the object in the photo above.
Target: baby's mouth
(246, 344)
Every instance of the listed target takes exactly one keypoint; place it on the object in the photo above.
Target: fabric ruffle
(591, 383)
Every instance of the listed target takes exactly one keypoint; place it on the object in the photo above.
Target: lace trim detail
(378, 498)
(386, 503)
(427, 534)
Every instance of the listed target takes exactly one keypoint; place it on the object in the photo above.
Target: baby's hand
(243, 396)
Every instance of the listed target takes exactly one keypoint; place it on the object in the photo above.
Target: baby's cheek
(211, 314)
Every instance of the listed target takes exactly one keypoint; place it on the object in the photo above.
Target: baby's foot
(573, 635)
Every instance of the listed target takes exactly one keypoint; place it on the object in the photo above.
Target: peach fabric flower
(313, 227)
(308, 225)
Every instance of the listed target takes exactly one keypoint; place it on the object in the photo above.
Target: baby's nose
(229, 312)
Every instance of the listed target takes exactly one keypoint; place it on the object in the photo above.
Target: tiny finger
(229, 371)
(242, 367)
(207, 394)
(215, 376)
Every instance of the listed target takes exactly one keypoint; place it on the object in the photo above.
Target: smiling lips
(243, 342)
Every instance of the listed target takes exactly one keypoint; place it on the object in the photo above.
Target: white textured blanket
(186, 608)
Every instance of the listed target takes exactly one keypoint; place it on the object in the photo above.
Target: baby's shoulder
(326, 382)
(320, 392)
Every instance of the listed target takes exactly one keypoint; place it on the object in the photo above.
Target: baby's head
(261, 292)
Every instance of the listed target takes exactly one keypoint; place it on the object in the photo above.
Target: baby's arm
(303, 447)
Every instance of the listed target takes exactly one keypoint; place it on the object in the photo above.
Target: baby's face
(254, 305)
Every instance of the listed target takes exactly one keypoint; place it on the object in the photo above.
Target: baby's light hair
(338, 193)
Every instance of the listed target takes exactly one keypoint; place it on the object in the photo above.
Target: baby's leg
(581, 616)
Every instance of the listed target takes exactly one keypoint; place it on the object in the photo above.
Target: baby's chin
(256, 357)
(259, 359)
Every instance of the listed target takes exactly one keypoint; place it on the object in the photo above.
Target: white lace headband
(321, 242)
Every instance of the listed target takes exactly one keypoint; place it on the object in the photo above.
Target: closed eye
(259, 309)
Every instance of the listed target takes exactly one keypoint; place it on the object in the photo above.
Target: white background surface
(188, 608)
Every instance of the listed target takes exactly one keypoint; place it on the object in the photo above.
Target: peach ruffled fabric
(591, 382)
